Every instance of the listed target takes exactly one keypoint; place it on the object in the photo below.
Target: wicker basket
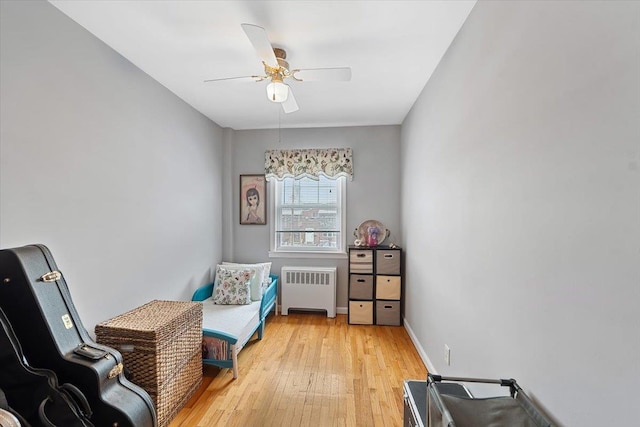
(161, 346)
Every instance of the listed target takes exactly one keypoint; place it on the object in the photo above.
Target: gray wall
(521, 205)
(120, 178)
(373, 193)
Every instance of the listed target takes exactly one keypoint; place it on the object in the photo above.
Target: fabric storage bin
(509, 407)
(160, 343)
(361, 312)
(415, 400)
(361, 261)
(388, 287)
(387, 261)
(360, 286)
(388, 313)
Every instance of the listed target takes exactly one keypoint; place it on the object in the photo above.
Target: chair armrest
(269, 296)
(203, 292)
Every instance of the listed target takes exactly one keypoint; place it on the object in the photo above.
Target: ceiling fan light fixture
(277, 91)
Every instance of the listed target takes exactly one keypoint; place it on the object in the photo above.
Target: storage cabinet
(161, 343)
(375, 285)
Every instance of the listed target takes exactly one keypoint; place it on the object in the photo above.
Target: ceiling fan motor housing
(281, 55)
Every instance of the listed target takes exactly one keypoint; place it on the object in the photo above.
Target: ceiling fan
(277, 70)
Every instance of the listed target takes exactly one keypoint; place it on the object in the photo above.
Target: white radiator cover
(308, 288)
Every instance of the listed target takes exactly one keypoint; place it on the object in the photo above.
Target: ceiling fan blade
(254, 78)
(260, 41)
(290, 105)
(340, 74)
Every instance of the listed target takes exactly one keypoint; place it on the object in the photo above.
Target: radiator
(308, 288)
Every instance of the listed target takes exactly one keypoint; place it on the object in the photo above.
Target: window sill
(318, 254)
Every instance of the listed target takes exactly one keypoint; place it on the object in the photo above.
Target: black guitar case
(37, 302)
(32, 395)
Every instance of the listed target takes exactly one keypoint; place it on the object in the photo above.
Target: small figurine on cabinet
(357, 241)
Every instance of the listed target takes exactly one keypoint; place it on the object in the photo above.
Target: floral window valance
(310, 163)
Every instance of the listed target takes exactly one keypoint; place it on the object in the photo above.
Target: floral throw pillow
(234, 286)
(260, 281)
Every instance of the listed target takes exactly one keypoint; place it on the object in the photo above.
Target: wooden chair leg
(234, 359)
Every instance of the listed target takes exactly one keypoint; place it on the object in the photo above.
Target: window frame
(340, 252)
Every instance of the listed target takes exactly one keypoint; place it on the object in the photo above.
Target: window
(308, 215)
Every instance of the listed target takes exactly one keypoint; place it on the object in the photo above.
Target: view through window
(309, 214)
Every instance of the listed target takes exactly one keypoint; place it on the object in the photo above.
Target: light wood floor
(310, 370)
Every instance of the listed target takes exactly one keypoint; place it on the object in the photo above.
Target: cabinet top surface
(383, 247)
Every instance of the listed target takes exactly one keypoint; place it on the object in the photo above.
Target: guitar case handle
(89, 352)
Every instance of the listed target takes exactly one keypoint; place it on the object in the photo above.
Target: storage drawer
(361, 312)
(360, 286)
(388, 261)
(361, 261)
(364, 268)
(388, 313)
(388, 287)
(361, 256)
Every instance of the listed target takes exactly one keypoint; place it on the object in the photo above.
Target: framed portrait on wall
(253, 199)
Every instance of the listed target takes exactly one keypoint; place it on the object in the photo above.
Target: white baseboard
(421, 352)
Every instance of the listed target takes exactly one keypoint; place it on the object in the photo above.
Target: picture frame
(253, 200)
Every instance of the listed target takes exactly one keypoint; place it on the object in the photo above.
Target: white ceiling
(392, 48)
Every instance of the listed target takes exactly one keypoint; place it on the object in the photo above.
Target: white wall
(521, 205)
(373, 193)
(110, 170)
